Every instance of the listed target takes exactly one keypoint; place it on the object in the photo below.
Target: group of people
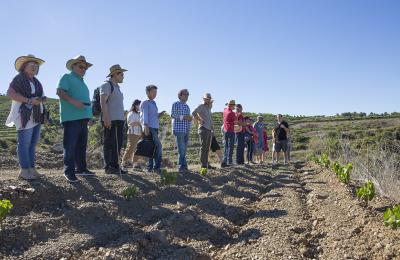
(28, 112)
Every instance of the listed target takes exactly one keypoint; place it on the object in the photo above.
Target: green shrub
(391, 218)
(366, 192)
(168, 178)
(130, 192)
(5, 208)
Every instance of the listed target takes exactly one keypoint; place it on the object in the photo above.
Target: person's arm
(64, 96)
(175, 112)
(196, 115)
(11, 93)
(144, 108)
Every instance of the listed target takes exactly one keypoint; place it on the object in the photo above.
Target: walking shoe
(85, 173)
(224, 165)
(35, 173)
(71, 178)
(158, 171)
(210, 167)
(25, 174)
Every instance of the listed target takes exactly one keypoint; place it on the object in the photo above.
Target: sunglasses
(82, 67)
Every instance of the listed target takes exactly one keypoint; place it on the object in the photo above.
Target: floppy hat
(115, 68)
(77, 59)
(231, 103)
(24, 59)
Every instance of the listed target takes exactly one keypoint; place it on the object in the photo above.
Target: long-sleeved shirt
(205, 113)
(229, 120)
(178, 112)
(149, 114)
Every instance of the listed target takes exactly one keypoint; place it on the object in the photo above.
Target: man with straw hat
(205, 127)
(75, 113)
(230, 120)
(27, 112)
(113, 119)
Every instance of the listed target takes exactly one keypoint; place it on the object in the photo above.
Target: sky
(303, 57)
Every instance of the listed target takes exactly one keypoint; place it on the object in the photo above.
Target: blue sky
(291, 57)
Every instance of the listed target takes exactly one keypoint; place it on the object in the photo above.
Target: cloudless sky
(294, 57)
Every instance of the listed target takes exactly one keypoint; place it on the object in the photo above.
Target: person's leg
(81, 146)
(219, 155)
(231, 147)
(24, 142)
(70, 139)
(32, 148)
(186, 142)
(180, 143)
(120, 141)
(251, 150)
(135, 140)
(226, 149)
(109, 140)
(113, 151)
(158, 153)
(204, 148)
(127, 157)
(240, 148)
(248, 151)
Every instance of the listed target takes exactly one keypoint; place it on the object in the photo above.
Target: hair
(180, 93)
(134, 104)
(280, 115)
(239, 105)
(23, 66)
(150, 87)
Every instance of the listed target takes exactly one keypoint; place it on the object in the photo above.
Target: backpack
(96, 105)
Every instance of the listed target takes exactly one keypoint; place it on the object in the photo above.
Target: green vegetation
(391, 218)
(203, 171)
(5, 208)
(168, 178)
(130, 192)
(366, 192)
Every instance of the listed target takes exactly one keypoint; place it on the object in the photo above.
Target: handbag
(146, 147)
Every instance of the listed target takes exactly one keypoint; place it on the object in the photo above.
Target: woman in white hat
(27, 112)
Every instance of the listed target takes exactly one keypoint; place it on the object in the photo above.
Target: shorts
(281, 146)
(214, 144)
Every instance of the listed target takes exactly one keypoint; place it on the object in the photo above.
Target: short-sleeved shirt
(75, 87)
(133, 117)
(149, 114)
(205, 113)
(115, 101)
(280, 132)
(229, 120)
(240, 118)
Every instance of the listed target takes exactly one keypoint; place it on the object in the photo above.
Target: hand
(36, 101)
(78, 104)
(146, 131)
(106, 121)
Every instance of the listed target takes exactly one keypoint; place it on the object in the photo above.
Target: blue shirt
(179, 110)
(75, 87)
(149, 114)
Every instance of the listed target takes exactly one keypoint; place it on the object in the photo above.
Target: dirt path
(249, 212)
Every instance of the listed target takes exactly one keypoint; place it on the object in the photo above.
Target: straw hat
(115, 69)
(208, 96)
(24, 59)
(77, 59)
(231, 103)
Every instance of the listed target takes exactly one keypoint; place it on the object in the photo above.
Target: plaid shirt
(179, 110)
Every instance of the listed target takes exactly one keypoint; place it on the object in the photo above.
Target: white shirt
(14, 118)
(133, 117)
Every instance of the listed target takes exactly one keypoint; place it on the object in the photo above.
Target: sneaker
(35, 173)
(123, 171)
(224, 165)
(210, 167)
(71, 178)
(137, 167)
(111, 170)
(85, 173)
(158, 171)
(25, 174)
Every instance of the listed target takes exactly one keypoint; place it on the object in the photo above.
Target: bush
(391, 218)
(168, 178)
(5, 208)
(366, 192)
(130, 192)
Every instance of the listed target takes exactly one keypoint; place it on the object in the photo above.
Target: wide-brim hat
(208, 96)
(231, 103)
(24, 59)
(115, 69)
(77, 59)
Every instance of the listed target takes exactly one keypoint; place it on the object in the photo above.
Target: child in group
(250, 137)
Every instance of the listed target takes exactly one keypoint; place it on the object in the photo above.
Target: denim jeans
(250, 150)
(155, 164)
(27, 141)
(75, 143)
(182, 143)
(240, 148)
(113, 141)
(229, 146)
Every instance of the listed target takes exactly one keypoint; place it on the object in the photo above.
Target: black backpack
(96, 106)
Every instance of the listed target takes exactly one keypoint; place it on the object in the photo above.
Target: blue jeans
(240, 148)
(182, 142)
(75, 143)
(155, 164)
(26, 149)
(229, 146)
